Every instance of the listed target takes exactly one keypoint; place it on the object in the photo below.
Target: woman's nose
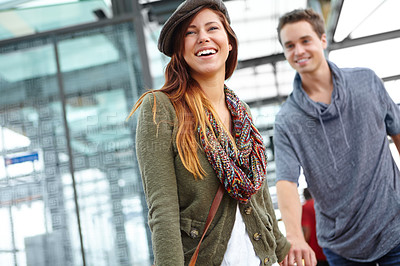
(203, 37)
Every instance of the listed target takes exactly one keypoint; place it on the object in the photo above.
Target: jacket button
(248, 210)
(257, 236)
(194, 233)
(266, 260)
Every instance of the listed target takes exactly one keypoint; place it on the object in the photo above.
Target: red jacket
(308, 220)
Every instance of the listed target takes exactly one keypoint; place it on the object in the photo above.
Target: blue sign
(21, 159)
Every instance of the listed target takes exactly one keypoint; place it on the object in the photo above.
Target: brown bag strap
(210, 217)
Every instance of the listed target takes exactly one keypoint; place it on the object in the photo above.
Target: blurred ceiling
(367, 37)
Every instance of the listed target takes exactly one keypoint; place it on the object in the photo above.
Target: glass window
(67, 164)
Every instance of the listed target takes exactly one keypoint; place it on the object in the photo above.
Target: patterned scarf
(244, 171)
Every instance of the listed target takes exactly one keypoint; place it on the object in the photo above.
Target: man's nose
(299, 49)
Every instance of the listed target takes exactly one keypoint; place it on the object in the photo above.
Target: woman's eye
(189, 33)
(213, 28)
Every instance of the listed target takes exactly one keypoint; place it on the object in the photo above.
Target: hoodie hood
(316, 109)
(321, 111)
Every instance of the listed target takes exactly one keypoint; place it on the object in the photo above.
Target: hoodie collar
(314, 109)
(324, 112)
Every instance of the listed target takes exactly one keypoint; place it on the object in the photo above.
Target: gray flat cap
(184, 10)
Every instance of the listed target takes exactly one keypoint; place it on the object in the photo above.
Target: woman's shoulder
(157, 106)
(157, 95)
(157, 98)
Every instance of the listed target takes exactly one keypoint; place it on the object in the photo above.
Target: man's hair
(309, 15)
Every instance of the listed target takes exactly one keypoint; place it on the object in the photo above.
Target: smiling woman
(206, 46)
(194, 137)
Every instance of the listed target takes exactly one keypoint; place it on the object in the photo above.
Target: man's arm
(396, 140)
(290, 207)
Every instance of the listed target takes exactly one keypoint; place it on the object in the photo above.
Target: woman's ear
(230, 47)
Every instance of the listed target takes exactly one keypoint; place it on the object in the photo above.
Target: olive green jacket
(179, 204)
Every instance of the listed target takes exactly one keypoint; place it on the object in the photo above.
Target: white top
(240, 250)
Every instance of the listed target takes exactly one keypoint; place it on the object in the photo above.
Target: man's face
(302, 47)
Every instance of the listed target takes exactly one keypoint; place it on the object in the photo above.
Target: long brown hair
(187, 97)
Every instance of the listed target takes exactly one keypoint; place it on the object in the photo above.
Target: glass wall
(70, 191)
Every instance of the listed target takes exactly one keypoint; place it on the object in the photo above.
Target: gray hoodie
(344, 152)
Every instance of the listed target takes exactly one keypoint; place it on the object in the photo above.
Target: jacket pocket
(191, 232)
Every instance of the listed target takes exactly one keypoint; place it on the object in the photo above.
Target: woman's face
(206, 45)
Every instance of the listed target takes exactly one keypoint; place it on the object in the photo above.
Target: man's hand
(300, 253)
(289, 204)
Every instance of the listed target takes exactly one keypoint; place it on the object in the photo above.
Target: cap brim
(165, 44)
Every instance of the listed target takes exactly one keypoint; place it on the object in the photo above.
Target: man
(334, 126)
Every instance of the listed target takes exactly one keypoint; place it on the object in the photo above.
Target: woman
(194, 134)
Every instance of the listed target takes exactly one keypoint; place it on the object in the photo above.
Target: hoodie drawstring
(341, 123)
(327, 141)
(326, 136)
